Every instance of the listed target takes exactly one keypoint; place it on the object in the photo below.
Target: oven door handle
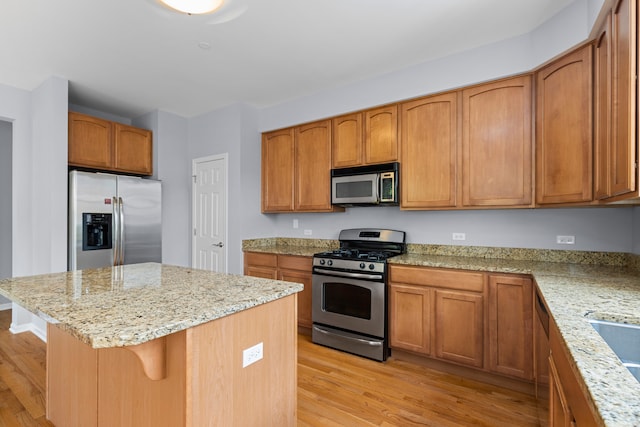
(359, 340)
(348, 275)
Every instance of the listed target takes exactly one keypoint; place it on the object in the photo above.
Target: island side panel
(223, 392)
(128, 397)
(72, 390)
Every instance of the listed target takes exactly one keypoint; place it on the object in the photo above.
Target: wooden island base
(194, 377)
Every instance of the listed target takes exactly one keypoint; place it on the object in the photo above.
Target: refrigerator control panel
(96, 231)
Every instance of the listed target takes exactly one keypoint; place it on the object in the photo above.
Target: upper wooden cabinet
(100, 144)
(429, 147)
(497, 144)
(296, 169)
(615, 174)
(347, 143)
(381, 135)
(313, 167)
(564, 129)
(365, 138)
(278, 154)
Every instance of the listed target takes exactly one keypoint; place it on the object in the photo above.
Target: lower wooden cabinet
(289, 268)
(439, 313)
(511, 325)
(410, 313)
(472, 318)
(568, 405)
(459, 327)
(261, 265)
(298, 269)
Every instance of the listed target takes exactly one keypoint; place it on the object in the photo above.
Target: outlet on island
(251, 355)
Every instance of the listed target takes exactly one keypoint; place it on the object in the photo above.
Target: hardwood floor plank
(335, 389)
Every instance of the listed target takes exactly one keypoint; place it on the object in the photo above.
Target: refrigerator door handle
(121, 239)
(116, 231)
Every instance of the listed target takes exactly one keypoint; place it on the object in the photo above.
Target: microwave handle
(378, 189)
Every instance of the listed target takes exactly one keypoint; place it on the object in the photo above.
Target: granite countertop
(132, 304)
(576, 286)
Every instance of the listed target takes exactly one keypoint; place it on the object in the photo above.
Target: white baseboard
(6, 306)
(24, 321)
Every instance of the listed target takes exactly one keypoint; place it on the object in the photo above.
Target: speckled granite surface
(111, 307)
(576, 286)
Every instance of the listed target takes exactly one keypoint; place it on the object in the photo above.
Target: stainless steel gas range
(349, 292)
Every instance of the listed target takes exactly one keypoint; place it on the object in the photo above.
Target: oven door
(355, 303)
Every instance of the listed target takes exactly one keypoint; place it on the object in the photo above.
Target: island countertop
(133, 304)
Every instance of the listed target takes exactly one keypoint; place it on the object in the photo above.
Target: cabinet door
(304, 297)
(511, 326)
(133, 149)
(623, 108)
(261, 265)
(277, 171)
(381, 135)
(459, 327)
(313, 167)
(298, 269)
(90, 141)
(347, 143)
(564, 129)
(429, 139)
(497, 144)
(559, 411)
(602, 112)
(410, 317)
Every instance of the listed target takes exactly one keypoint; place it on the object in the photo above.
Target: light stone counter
(133, 304)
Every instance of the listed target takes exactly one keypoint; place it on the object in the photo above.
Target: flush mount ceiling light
(194, 7)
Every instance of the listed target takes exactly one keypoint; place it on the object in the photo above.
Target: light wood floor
(334, 389)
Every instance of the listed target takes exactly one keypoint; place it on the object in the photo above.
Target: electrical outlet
(459, 236)
(308, 232)
(295, 223)
(566, 240)
(251, 355)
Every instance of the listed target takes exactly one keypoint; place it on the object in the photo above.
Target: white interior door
(209, 207)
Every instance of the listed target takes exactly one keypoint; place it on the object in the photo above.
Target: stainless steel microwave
(373, 185)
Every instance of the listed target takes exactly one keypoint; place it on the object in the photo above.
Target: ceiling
(130, 57)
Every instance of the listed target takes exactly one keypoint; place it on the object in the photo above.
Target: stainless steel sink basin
(624, 340)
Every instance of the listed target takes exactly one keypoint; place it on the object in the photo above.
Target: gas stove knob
(329, 263)
(322, 262)
(371, 266)
(362, 265)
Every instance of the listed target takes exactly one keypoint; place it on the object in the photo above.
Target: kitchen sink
(624, 340)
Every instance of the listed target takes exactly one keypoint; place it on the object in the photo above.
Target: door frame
(225, 158)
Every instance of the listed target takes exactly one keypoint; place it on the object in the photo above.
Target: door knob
(219, 244)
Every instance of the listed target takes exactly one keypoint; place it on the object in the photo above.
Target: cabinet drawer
(291, 262)
(255, 258)
(436, 277)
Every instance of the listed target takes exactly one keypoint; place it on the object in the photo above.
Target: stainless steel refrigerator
(113, 220)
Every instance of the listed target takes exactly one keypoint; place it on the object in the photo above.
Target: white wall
(39, 182)
(171, 166)
(5, 206)
(233, 130)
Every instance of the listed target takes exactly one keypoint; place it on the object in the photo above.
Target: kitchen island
(157, 345)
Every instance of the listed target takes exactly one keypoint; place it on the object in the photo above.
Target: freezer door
(91, 209)
(140, 203)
